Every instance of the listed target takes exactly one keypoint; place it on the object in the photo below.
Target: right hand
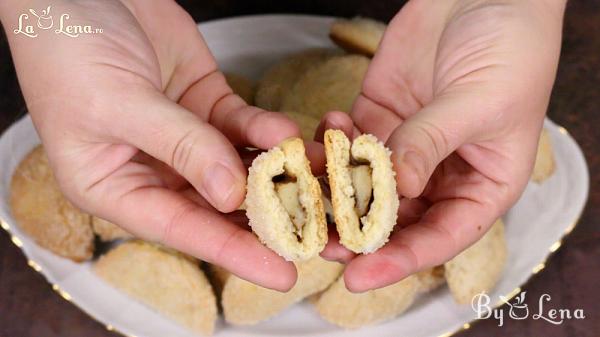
(108, 105)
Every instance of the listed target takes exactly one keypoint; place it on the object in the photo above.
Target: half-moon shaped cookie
(166, 281)
(349, 310)
(283, 202)
(358, 35)
(363, 190)
(247, 303)
(478, 268)
(43, 213)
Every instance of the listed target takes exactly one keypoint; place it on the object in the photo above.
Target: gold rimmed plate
(535, 226)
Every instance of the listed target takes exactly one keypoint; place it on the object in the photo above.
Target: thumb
(426, 138)
(194, 148)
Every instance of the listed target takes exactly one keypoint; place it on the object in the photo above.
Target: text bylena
(519, 310)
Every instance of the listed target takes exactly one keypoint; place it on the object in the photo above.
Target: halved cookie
(279, 79)
(479, 267)
(362, 229)
(293, 226)
(41, 210)
(168, 282)
(544, 159)
(358, 35)
(247, 303)
(107, 231)
(350, 310)
(332, 85)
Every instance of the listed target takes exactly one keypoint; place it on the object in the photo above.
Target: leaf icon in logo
(45, 20)
(519, 310)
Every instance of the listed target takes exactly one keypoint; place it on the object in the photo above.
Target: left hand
(458, 90)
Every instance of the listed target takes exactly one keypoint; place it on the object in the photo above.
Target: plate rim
(537, 269)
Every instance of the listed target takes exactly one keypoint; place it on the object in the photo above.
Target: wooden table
(29, 307)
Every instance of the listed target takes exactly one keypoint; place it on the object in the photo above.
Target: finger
(374, 118)
(213, 101)
(315, 152)
(334, 251)
(237, 217)
(336, 120)
(195, 149)
(445, 230)
(158, 214)
(422, 141)
(410, 211)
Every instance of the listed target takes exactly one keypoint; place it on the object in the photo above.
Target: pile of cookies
(304, 86)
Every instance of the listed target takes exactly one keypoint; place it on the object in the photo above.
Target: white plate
(534, 226)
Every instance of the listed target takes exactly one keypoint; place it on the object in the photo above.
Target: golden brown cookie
(358, 35)
(332, 85)
(349, 310)
(294, 226)
(478, 268)
(107, 231)
(361, 232)
(245, 303)
(544, 160)
(167, 282)
(44, 214)
(280, 78)
(241, 86)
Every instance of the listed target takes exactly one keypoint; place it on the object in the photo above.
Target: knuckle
(438, 143)
(224, 251)
(181, 151)
(172, 227)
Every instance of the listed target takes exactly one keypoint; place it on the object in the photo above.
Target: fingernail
(219, 183)
(416, 162)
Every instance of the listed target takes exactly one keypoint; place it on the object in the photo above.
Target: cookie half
(361, 229)
(168, 282)
(293, 223)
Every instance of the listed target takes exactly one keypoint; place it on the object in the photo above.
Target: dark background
(29, 307)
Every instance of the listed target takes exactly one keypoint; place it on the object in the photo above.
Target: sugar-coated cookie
(279, 79)
(361, 232)
(241, 86)
(358, 35)
(349, 310)
(43, 213)
(245, 303)
(107, 231)
(168, 282)
(478, 268)
(295, 234)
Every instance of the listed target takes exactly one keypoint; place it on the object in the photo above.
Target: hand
(108, 105)
(458, 90)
